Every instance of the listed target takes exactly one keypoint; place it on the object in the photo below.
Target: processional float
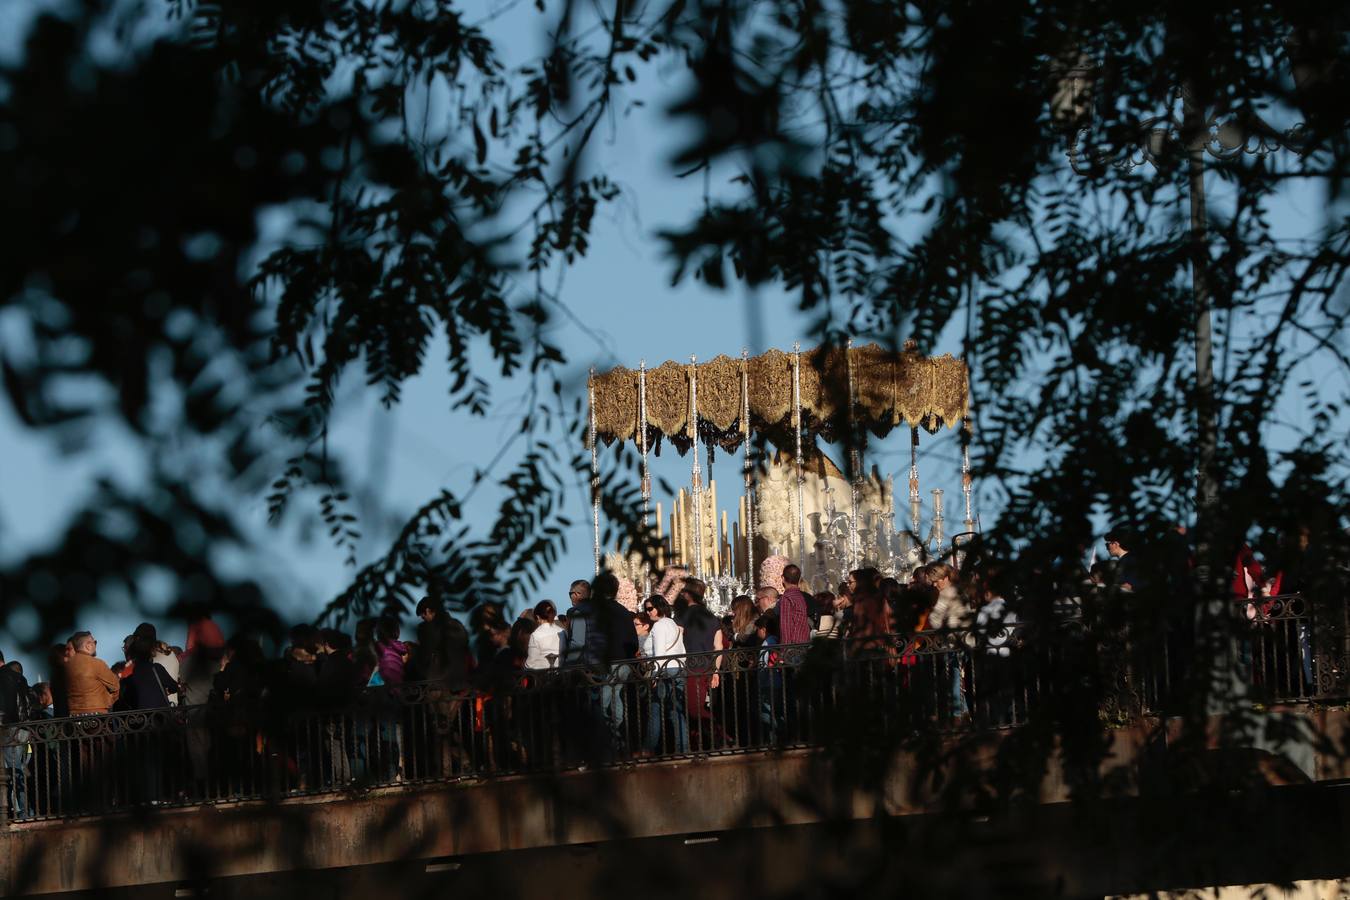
(787, 399)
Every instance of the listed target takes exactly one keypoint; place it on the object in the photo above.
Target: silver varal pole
(646, 472)
(915, 501)
(938, 537)
(797, 423)
(966, 483)
(855, 461)
(888, 522)
(749, 471)
(595, 474)
(697, 485)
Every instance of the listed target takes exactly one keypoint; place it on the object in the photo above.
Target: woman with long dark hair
(871, 621)
(735, 693)
(147, 687)
(870, 651)
(666, 714)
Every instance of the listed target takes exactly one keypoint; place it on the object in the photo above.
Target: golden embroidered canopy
(888, 387)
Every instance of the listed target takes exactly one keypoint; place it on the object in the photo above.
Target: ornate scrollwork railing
(737, 700)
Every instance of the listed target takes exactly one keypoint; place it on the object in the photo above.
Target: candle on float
(734, 551)
(686, 535)
(683, 519)
(740, 529)
(724, 545)
(714, 544)
(660, 538)
(676, 539)
(675, 531)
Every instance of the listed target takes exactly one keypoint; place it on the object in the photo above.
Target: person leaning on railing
(601, 633)
(794, 623)
(665, 643)
(57, 655)
(769, 680)
(91, 687)
(998, 636)
(196, 677)
(870, 623)
(15, 707)
(738, 633)
(442, 652)
(700, 628)
(951, 611)
(548, 640)
(149, 686)
(733, 686)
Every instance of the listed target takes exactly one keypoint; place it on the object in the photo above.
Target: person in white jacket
(951, 611)
(667, 720)
(547, 641)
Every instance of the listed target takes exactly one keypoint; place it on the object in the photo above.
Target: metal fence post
(4, 793)
(1329, 627)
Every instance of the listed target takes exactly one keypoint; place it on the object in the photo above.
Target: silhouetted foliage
(902, 174)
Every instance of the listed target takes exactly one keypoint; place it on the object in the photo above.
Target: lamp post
(1194, 134)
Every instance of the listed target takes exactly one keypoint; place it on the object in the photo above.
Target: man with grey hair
(766, 598)
(773, 682)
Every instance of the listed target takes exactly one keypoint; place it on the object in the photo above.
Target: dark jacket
(297, 686)
(700, 628)
(600, 633)
(1127, 571)
(580, 624)
(240, 682)
(442, 651)
(871, 622)
(14, 697)
(338, 680)
(147, 687)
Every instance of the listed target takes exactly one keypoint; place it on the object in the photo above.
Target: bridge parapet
(692, 798)
(888, 688)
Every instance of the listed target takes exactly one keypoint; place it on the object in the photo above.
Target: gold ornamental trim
(667, 398)
(616, 404)
(892, 387)
(719, 391)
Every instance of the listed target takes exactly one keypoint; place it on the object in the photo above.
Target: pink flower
(771, 572)
(672, 582)
(628, 594)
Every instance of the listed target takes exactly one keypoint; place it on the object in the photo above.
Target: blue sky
(621, 292)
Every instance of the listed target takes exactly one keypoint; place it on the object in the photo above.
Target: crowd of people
(607, 682)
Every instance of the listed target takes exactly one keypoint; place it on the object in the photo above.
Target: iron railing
(734, 701)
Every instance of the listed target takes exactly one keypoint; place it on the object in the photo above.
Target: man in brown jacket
(90, 684)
